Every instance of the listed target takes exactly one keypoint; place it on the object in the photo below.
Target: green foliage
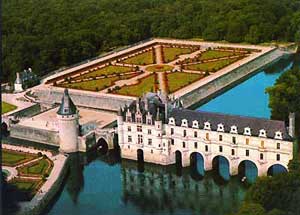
(285, 95)
(251, 209)
(6, 107)
(47, 35)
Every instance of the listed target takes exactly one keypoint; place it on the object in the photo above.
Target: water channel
(107, 185)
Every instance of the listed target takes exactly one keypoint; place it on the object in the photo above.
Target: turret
(292, 124)
(120, 127)
(68, 124)
(158, 120)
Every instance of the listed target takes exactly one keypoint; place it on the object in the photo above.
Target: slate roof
(67, 106)
(255, 124)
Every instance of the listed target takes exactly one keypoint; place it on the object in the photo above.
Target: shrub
(40, 154)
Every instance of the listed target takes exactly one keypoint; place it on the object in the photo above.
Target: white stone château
(158, 133)
(18, 85)
(68, 125)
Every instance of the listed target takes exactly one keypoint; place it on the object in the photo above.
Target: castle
(163, 133)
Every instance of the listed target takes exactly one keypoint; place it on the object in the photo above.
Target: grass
(39, 167)
(159, 68)
(171, 54)
(145, 85)
(108, 70)
(141, 59)
(96, 85)
(178, 80)
(11, 158)
(6, 107)
(28, 185)
(211, 66)
(212, 54)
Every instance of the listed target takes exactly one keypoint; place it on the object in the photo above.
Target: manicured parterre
(178, 80)
(171, 53)
(6, 107)
(159, 68)
(211, 66)
(13, 158)
(145, 58)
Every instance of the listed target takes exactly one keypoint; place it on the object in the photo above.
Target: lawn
(11, 158)
(39, 167)
(159, 68)
(97, 85)
(178, 80)
(212, 54)
(108, 70)
(171, 54)
(141, 59)
(211, 66)
(145, 85)
(26, 185)
(6, 107)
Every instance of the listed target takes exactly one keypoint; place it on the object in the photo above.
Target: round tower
(18, 85)
(68, 125)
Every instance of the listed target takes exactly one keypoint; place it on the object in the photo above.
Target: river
(106, 185)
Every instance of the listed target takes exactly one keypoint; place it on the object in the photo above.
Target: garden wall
(34, 134)
(210, 89)
(85, 99)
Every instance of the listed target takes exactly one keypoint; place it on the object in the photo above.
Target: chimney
(292, 124)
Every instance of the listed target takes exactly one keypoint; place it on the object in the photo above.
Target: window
(232, 152)
(139, 128)
(129, 128)
(151, 151)
(278, 157)
(220, 127)
(247, 141)
(128, 147)
(172, 141)
(140, 139)
(206, 148)
(138, 119)
(207, 136)
(221, 148)
(195, 134)
(150, 142)
(234, 140)
(262, 144)
(233, 129)
(261, 156)
(129, 118)
(278, 146)
(183, 144)
(262, 133)
(184, 133)
(129, 139)
(195, 145)
(220, 137)
(149, 131)
(206, 125)
(247, 152)
(149, 121)
(172, 130)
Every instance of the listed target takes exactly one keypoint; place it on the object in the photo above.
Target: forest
(49, 34)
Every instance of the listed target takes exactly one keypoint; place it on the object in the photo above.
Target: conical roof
(67, 106)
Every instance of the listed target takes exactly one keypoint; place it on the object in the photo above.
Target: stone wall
(210, 89)
(84, 99)
(35, 134)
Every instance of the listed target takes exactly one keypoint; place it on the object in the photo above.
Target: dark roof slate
(255, 124)
(67, 106)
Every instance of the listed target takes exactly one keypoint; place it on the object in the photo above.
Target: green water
(108, 186)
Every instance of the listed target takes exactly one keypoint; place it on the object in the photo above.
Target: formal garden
(6, 107)
(136, 73)
(32, 171)
(145, 58)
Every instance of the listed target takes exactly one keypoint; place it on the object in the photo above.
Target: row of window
(139, 120)
(221, 138)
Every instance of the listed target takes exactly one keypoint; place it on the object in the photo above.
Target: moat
(105, 185)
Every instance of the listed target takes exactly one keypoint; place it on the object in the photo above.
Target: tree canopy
(48, 34)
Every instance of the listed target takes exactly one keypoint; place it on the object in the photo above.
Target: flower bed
(14, 158)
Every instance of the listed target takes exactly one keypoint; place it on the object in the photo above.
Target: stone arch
(4, 128)
(102, 145)
(197, 165)
(248, 169)
(221, 164)
(178, 158)
(277, 168)
(140, 155)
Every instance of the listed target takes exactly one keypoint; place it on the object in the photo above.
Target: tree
(251, 209)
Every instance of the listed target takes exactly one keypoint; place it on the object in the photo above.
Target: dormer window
(278, 135)
(207, 125)
(262, 133)
(139, 119)
(184, 123)
(171, 121)
(128, 118)
(195, 124)
(233, 129)
(220, 127)
(247, 131)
